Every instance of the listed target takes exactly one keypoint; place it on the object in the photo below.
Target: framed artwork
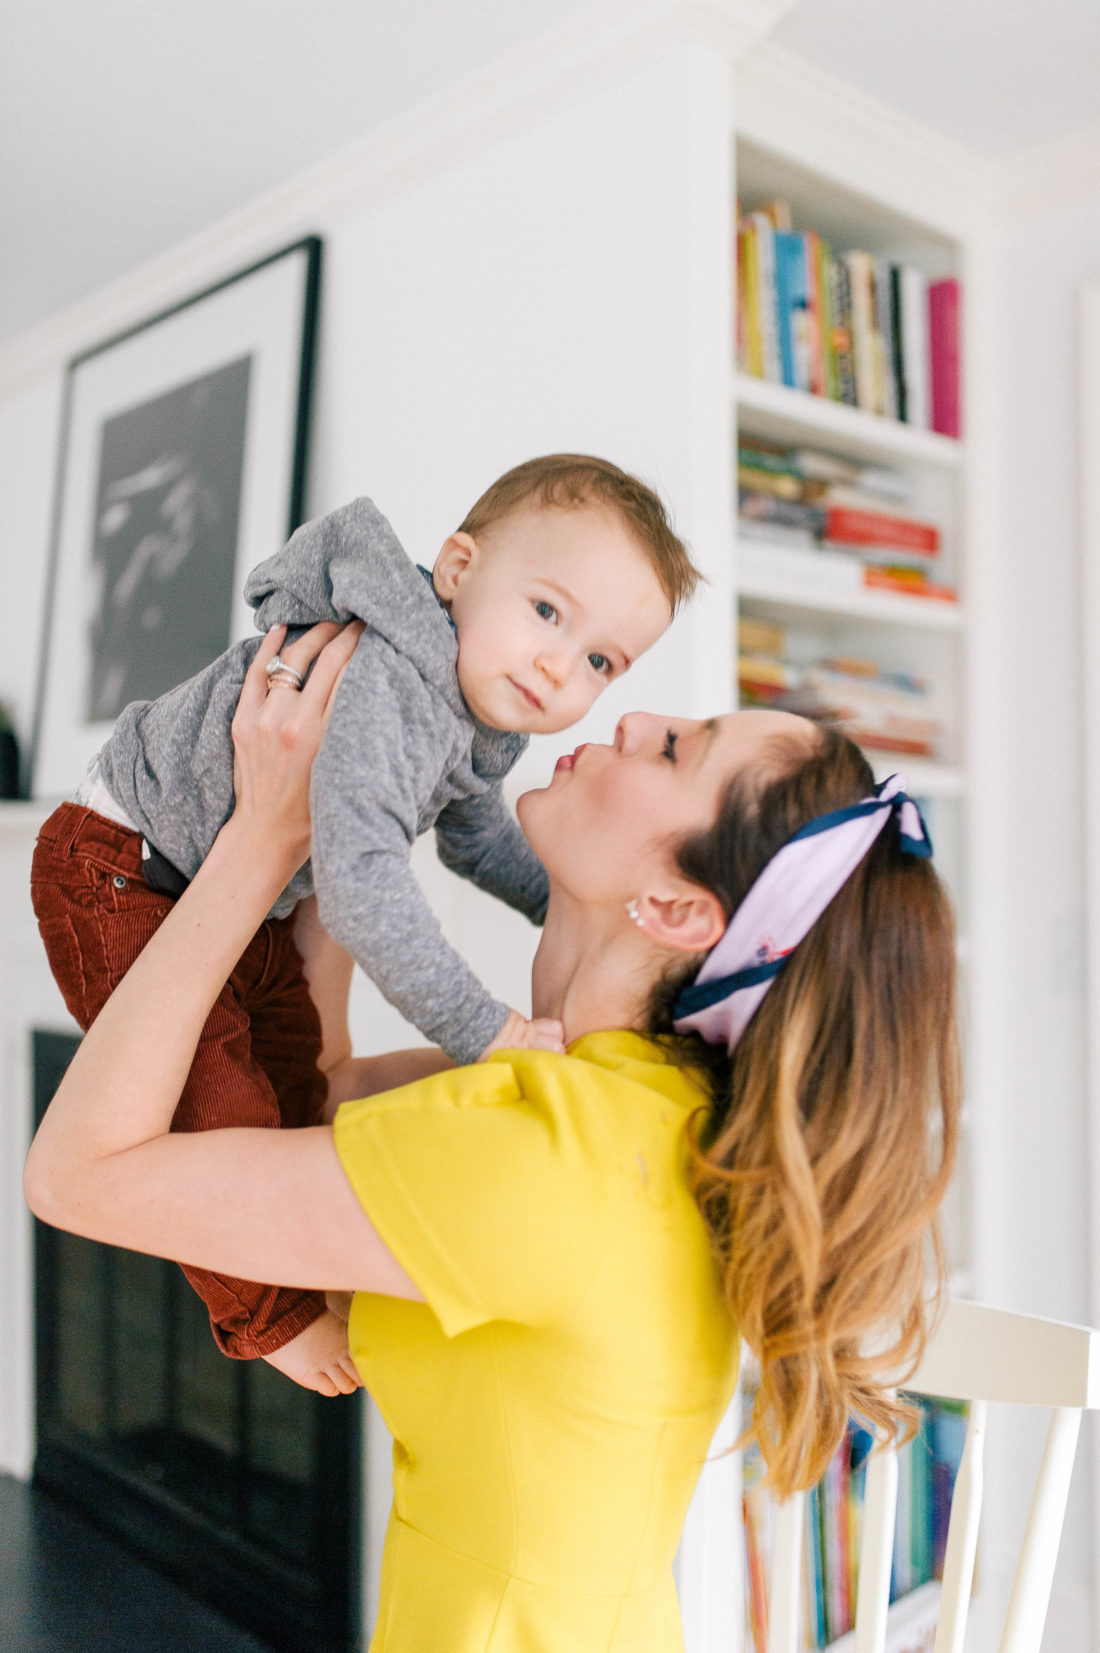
(181, 465)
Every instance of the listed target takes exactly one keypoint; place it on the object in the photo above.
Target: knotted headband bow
(786, 900)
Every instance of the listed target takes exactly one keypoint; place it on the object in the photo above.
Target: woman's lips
(568, 759)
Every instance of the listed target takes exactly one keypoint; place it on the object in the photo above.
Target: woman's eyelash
(668, 750)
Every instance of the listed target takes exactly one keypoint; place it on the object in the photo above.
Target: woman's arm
(259, 1204)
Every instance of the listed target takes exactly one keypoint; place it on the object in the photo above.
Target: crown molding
(595, 47)
(736, 25)
(1050, 175)
(823, 123)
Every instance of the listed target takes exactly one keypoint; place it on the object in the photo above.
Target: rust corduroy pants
(256, 1063)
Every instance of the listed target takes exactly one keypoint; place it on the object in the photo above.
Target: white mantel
(28, 998)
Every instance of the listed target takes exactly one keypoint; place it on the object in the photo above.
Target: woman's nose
(630, 732)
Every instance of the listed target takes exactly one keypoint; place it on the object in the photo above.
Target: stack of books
(927, 1467)
(881, 710)
(834, 522)
(846, 325)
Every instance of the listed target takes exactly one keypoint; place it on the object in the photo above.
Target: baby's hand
(540, 1033)
(318, 1358)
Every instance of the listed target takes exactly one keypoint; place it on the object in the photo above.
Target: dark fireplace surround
(223, 1474)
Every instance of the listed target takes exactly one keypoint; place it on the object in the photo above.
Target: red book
(943, 346)
(854, 527)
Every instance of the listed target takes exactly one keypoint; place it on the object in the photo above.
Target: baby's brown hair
(563, 481)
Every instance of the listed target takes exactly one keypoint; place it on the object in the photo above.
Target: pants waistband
(73, 829)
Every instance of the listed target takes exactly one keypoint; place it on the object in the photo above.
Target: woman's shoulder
(564, 1104)
(497, 1185)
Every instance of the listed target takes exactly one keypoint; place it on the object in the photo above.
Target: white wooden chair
(980, 1355)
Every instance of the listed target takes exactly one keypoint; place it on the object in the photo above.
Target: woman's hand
(277, 730)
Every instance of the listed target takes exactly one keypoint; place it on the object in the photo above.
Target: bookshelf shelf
(758, 586)
(780, 413)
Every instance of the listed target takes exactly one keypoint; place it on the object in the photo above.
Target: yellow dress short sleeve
(485, 1186)
(553, 1400)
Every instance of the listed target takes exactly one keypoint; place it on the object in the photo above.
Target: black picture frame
(182, 462)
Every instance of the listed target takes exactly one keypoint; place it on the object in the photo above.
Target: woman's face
(612, 816)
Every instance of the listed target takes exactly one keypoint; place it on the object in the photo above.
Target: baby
(564, 572)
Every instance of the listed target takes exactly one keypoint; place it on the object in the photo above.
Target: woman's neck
(593, 970)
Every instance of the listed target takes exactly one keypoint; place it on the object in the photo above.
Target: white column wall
(1033, 1194)
(566, 287)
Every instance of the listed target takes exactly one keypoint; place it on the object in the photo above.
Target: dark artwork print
(164, 552)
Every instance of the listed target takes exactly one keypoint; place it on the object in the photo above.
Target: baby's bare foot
(319, 1358)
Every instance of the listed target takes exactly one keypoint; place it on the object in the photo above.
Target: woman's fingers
(330, 665)
(304, 650)
(254, 688)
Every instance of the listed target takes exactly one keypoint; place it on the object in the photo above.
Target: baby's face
(550, 606)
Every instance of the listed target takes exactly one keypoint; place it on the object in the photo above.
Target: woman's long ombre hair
(821, 1168)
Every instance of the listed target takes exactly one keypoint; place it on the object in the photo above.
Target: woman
(555, 1254)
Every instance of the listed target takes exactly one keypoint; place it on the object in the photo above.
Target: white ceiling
(127, 125)
(996, 75)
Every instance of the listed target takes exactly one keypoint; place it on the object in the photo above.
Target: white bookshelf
(923, 635)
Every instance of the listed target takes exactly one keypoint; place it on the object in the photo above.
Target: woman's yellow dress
(553, 1400)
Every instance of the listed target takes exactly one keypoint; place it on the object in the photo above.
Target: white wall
(1034, 1243)
(564, 287)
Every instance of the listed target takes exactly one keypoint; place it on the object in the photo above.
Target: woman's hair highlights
(822, 1165)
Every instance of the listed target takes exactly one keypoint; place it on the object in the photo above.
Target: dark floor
(66, 1588)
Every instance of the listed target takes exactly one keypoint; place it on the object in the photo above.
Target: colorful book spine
(814, 379)
(915, 359)
(861, 278)
(884, 327)
(842, 347)
(943, 335)
(790, 294)
(763, 231)
(748, 331)
(850, 326)
(825, 263)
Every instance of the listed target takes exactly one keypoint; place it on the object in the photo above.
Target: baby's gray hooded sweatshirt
(402, 753)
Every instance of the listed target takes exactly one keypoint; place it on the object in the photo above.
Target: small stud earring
(634, 915)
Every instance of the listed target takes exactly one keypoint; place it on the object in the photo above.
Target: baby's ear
(456, 558)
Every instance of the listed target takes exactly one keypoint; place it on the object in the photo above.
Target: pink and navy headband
(786, 900)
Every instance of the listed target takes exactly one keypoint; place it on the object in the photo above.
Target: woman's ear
(457, 556)
(690, 921)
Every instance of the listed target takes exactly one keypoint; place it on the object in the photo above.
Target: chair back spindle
(962, 1536)
(880, 1504)
(785, 1593)
(1027, 1605)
